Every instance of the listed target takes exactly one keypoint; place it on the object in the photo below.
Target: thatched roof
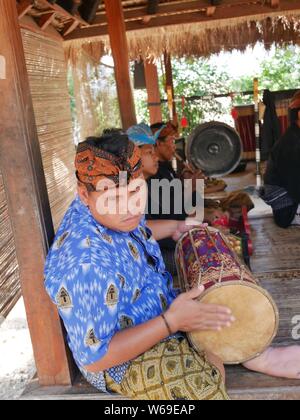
(200, 39)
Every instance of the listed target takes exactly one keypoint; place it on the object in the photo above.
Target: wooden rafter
(226, 10)
(24, 7)
(162, 9)
(62, 12)
(70, 27)
(45, 20)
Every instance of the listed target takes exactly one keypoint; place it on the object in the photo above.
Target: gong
(215, 148)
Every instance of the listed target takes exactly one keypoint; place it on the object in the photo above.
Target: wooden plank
(28, 204)
(152, 84)
(257, 10)
(118, 42)
(275, 249)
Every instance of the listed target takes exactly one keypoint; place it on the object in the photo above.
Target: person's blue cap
(141, 135)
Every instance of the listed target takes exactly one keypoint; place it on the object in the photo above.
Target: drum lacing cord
(243, 269)
(223, 263)
(198, 259)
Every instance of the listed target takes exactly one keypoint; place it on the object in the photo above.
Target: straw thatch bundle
(200, 39)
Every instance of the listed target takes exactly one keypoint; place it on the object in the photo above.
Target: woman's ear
(83, 193)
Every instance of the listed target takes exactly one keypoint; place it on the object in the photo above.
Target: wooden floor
(276, 264)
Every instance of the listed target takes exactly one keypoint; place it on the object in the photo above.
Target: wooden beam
(45, 20)
(173, 8)
(70, 27)
(24, 7)
(139, 13)
(170, 83)
(152, 84)
(63, 13)
(223, 12)
(28, 204)
(29, 24)
(119, 47)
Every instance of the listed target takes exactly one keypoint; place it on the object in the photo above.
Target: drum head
(214, 147)
(253, 331)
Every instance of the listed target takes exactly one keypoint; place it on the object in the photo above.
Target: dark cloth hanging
(270, 129)
(284, 164)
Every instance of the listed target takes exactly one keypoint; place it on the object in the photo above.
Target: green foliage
(278, 69)
(200, 78)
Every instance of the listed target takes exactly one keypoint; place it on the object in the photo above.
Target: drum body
(205, 257)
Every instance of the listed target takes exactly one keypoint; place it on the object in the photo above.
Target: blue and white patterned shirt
(103, 281)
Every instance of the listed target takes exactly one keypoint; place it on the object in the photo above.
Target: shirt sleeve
(88, 303)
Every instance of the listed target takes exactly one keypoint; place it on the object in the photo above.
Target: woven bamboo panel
(48, 82)
(9, 279)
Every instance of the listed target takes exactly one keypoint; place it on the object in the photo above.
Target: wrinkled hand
(187, 314)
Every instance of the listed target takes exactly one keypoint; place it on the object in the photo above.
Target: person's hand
(189, 173)
(183, 227)
(187, 314)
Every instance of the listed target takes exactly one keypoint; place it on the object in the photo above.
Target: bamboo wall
(9, 280)
(47, 71)
(48, 81)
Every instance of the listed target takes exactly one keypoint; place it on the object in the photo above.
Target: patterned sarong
(171, 370)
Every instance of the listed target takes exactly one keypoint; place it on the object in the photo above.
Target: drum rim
(256, 285)
(266, 294)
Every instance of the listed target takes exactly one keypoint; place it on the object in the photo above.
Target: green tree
(279, 70)
(192, 77)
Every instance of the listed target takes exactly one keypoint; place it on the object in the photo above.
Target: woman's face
(149, 161)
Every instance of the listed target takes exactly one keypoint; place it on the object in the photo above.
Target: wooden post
(154, 100)
(119, 47)
(170, 83)
(28, 204)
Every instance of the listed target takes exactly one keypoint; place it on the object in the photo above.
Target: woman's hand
(187, 314)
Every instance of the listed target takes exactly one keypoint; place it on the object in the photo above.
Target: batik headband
(93, 164)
